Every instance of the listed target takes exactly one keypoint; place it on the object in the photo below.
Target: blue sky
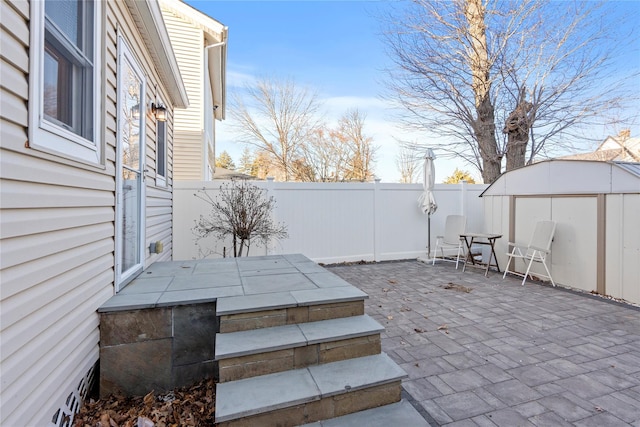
(334, 47)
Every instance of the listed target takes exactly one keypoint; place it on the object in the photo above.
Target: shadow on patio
(487, 351)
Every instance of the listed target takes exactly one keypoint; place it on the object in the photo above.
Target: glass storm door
(129, 175)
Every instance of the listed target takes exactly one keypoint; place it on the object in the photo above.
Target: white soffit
(215, 32)
(148, 17)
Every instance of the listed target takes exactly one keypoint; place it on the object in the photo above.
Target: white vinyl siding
(189, 149)
(57, 252)
(56, 228)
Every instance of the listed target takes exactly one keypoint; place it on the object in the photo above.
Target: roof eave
(156, 38)
(217, 77)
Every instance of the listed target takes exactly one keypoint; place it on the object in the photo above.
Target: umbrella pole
(428, 236)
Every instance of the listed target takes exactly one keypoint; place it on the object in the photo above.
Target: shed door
(574, 252)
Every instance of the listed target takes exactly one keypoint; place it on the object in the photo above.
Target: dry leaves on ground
(444, 328)
(456, 287)
(186, 406)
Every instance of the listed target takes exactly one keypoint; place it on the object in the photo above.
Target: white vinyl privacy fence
(335, 222)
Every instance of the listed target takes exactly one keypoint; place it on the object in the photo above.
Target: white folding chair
(537, 250)
(454, 226)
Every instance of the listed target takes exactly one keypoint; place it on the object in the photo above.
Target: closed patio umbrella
(427, 201)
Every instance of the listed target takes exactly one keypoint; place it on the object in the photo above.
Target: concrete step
(396, 414)
(247, 312)
(311, 394)
(256, 352)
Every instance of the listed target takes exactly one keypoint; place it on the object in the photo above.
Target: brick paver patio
(486, 351)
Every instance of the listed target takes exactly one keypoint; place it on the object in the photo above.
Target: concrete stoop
(304, 357)
(400, 414)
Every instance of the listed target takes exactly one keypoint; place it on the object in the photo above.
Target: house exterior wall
(57, 232)
(190, 149)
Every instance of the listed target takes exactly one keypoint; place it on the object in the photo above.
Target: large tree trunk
(516, 150)
(485, 134)
(484, 126)
(517, 128)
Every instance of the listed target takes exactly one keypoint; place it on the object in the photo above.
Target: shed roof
(568, 177)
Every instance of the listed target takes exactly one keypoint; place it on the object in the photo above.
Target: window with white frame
(65, 95)
(161, 153)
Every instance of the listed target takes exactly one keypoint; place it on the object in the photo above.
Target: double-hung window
(65, 97)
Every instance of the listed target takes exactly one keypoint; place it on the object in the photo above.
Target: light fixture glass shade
(160, 111)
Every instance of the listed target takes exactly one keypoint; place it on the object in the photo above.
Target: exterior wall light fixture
(160, 111)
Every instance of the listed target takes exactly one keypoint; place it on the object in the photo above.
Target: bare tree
(277, 117)
(538, 70)
(242, 211)
(361, 149)
(325, 156)
(408, 163)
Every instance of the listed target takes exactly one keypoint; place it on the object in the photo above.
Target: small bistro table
(487, 239)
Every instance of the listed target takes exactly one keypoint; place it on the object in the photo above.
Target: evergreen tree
(224, 160)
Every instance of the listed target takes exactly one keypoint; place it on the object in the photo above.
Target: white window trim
(45, 135)
(161, 180)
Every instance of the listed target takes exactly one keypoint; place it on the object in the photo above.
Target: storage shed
(596, 206)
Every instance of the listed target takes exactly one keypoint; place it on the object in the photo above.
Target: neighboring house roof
(223, 173)
(568, 176)
(621, 148)
(155, 36)
(216, 35)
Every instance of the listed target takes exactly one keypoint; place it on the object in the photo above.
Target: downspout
(205, 145)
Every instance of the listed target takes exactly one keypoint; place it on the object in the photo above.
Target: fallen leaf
(443, 326)
(393, 282)
(457, 287)
(105, 420)
(149, 399)
(390, 317)
(599, 409)
(194, 405)
(418, 330)
(385, 290)
(405, 309)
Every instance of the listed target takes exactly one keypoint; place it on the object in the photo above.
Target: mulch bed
(186, 406)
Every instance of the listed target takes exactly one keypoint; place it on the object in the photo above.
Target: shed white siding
(622, 249)
(596, 206)
(57, 232)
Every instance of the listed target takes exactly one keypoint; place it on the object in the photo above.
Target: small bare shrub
(241, 211)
